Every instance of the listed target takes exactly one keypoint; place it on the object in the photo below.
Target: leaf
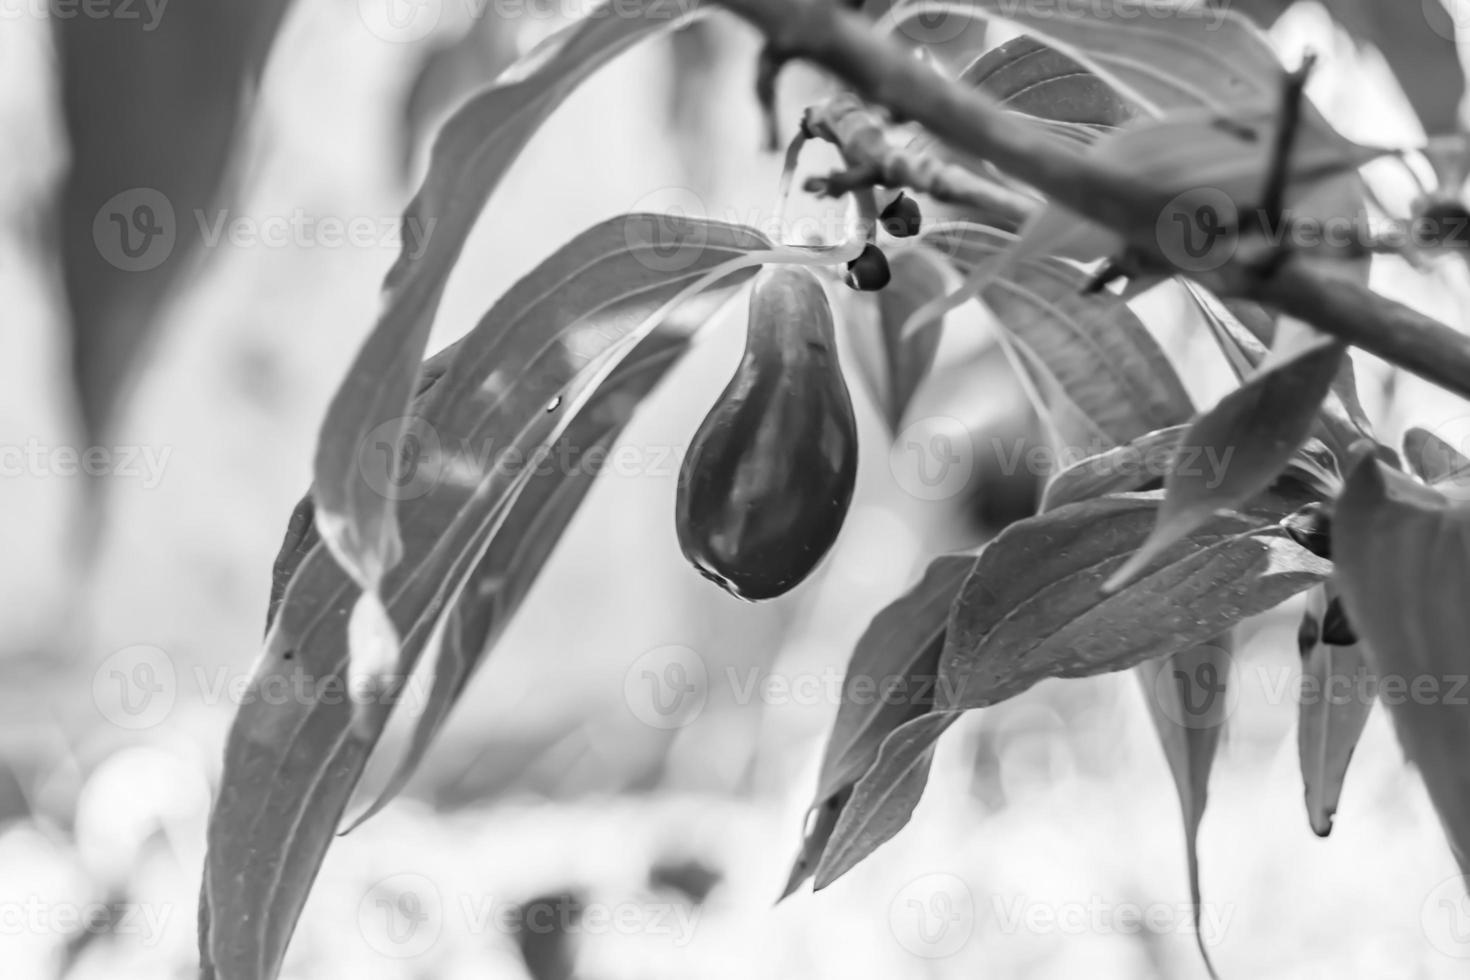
(1253, 432)
(472, 152)
(890, 680)
(1244, 332)
(898, 650)
(530, 533)
(1337, 697)
(1161, 57)
(884, 799)
(301, 534)
(1122, 469)
(1403, 565)
(918, 276)
(1024, 75)
(1031, 608)
(1097, 353)
(821, 821)
(1432, 459)
(149, 149)
(1186, 694)
(514, 386)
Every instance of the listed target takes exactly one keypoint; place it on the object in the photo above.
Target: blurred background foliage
(546, 787)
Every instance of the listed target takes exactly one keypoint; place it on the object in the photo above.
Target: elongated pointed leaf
(1254, 431)
(1432, 459)
(1244, 332)
(884, 799)
(514, 386)
(1186, 694)
(918, 277)
(890, 680)
(359, 524)
(893, 672)
(301, 535)
(1093, 348)
(1032, 607)
(531, 531)
(1403, 564)
(1337, 697)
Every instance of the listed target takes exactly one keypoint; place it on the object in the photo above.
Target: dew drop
(554, 404)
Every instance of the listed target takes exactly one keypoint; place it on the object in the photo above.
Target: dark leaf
(1337, 697)
(892, 674)
(1027, 76)
(884, 799)
(890, 680)
(1032, 607)
(1403, 564)
(1251, 434)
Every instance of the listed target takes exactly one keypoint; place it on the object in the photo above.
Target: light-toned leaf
(1253, 432)
(514, 386)
(1187, 698)
(1337, 699)
(477, 145)
(1403, 565)
(1032, 607)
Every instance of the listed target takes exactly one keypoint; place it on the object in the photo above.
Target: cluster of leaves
(1114, 573)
